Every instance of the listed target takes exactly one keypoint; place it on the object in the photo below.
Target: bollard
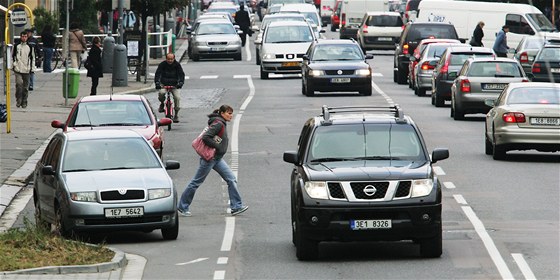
(169, 24)
(107, 55)
(120, 71)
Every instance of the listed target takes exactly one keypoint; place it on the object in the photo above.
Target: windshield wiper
(376, 158)
(117, 124)
(332, 159)
(76, 170)
(117, 168)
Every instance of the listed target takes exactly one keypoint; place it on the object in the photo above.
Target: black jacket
(217, 128)
(94, 56)
(242, 19)
(169, 74)
(477, 37)
(49, 40)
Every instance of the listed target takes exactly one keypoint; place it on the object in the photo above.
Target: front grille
(292, 56)
(217, 43)
(403, 189)
(360, 189)
(336, 190)
(129, 195)
(344, 72)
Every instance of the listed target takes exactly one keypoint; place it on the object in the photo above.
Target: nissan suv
(364, 174)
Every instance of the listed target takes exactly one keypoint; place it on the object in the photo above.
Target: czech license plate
(124, 212)
(384, 39)
(494, 86)
(290, 64)
(545, 121)
(370, 224)
(219, 49)
(340, 80)
(554, 70)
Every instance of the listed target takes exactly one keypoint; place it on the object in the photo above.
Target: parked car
(415, 57)
(480, 79)
(380, 30)
(121, 112)
(283, 46)
(363, 173)
(525, 116)
(413, 33)
(447, 67)
(335, 16)
(422, 72)
(216, 38)
(526, 51)
(104, 180)
(285, 16)
(335, 65)
(546, 66)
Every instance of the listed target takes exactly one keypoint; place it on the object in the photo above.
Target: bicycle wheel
(169, 111)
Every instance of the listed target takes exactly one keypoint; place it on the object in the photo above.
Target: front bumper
(281, 66)
(325, 84)
(226, 51)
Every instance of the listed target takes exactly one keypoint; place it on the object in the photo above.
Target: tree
(43, 18)
(84, 13)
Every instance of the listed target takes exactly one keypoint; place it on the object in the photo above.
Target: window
(111, 112)
(384, 21)
(518, 24)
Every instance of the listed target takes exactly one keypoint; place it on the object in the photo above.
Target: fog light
(165, 218)
(79, 222)
(426, 217)
(314, 220)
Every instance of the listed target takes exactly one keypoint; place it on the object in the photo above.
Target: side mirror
(305, 57)
(290, 157)
(439, 154)
(369, 56)
(48, 170)
(172, 165)
(58, 124)
(489, 102)
(462, 40)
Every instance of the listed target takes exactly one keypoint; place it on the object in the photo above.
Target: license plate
(384, 39)
(370, 224)
(340, 80)
(217, 49)
(494, 86)
(554, 70)
(124, 212)
(290, 64)
(545, 121)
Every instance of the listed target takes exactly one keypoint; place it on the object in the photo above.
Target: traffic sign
(18, 18)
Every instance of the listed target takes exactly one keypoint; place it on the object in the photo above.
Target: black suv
(413, 33)
(364, 174)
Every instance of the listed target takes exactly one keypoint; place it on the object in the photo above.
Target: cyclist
(170, 73)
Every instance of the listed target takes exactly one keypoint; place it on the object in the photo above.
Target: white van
(353, 11)
(522, 19)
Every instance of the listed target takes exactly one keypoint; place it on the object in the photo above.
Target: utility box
(73, 83)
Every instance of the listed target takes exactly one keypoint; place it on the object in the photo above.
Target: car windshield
(460, 58)
(549, 54)
(108, 154)
(337, 52)
(420, 32)
(534, 95)
(289, 34)
(215, 28)
(494, 69)
(365, 142)
(268, 20)
(384, 21)
(107, 113)
(541, 23)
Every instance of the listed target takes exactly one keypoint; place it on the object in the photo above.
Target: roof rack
(396, 110)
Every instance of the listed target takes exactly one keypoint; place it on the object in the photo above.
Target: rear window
(495, 69)
(460, 58)
(548, 54)
(384, 21)
(534, 96)
(419, 32)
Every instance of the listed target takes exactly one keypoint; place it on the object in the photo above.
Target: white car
(380, 30)
(310, 13)
(266, 21)
(283, 46)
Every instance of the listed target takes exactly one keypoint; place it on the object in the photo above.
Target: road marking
(208, 77)
(460, 199)
(228, 234)
(488, 243)
(449, 185)
(193, 261)
(248, 51)
(222, 260)
(439, 171)
(524, 266)
(219, 274)
(376, 75)
(387, 98)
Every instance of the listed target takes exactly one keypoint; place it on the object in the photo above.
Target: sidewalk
(30, 132)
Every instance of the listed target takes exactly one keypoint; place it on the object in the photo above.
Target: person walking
(23, 58)
(49, 43)
(95, 71)
(478, 34)
(170, 73)
(77, 44)
(34, 43)
(216, 128)
(104, 21)
(500, 46)
(242, 19)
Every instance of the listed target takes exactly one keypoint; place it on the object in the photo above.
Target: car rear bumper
(347, 33)
(424, 81)
(377, 42)
(546, 77)
(516, 138)
(224, 52)
(443, 89)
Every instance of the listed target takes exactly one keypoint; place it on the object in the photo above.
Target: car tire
(237, 57)
(488, 149)
(172, 232)
(59, 227)
(42, 224)
(306, 249)
(195, 57)
(438, 100)
(333, 28)
(498, 152)
(367, 91)
(257, 57)
(264, 75)
(309, 90)
(395, 74)
(420, 91)
(402, 76)
(457, 113)
(431, 247)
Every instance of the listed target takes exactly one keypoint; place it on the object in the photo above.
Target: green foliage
(84, 13)
(43, 18)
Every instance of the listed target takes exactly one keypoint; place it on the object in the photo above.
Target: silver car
(215, 38)
(380, 30)
(525, 116)
(104, 180)
(480, 79)
(526, 51)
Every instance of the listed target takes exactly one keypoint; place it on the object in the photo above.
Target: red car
(421, 46)
(116, 112)
(335, 16)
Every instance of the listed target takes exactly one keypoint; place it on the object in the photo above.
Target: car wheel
(420, 91)
(366, 92)
(333, 28)
(237, 57)
(257, 57)
(42, 224)
(457, 113)
(59, 227)
(303, 87)
(498, 152)
(433, 97)
(306, 249)
(172, 232)
(401, 78)
(395, 74)
(264, 75)
(431, 247)
(195, 57)
(488, 149)
(438, 100)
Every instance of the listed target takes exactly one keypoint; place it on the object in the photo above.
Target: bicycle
(168, 106)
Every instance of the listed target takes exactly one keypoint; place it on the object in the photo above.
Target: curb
(118, 261)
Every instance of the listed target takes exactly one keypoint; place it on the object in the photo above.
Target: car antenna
(89, 119)
(111, 95)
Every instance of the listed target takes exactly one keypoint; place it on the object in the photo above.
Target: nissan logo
(369, 190)
(339, 72)
(122, 191)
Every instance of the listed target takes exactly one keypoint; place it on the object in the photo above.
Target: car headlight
(158, 193)
(422, 187)
(268, 56)
(200, 43)
(317, 190)
(363, 72)
(84, 196)
(316, 73)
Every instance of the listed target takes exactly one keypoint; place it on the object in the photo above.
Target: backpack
(3, 113)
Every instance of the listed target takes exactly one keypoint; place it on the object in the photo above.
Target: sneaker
(175, 119)
(161, 110)
(240, 210)
(30, 88)
(184, 213)
(24, 105)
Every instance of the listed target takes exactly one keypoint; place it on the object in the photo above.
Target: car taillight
(343, 19)
(426, 66)
(364, 30)
(523, 57)
(536, 68)
(405, 49)
(465, 86)
(445, 67)
(513, 117)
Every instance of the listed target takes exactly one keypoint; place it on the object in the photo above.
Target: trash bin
(73, 84)
(172, 47)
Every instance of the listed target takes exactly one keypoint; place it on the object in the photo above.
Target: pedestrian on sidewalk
(23, 58)
(95, 71)
(34, 43)
(170, 73)
(77, 44)
(49, 43)
(500, 46)
(215, 137)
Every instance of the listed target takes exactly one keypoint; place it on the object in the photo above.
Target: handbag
(204, 151)
(88, 65)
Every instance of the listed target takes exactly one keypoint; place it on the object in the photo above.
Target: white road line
(248, 51)
(376, 75)
(460, 199)
(488, 243)
(228, 234)
(449, 185)
(208, 77)
(524, 266)
(387, 98)
(222, 260)
(439, 171)
(193, 261)
(219, 274)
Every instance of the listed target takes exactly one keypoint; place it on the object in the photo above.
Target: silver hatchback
(215, 38)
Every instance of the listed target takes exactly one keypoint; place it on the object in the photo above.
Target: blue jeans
(48, 54)
(203, 170)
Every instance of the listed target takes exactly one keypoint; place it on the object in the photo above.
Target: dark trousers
(47, 59)
(94, 83)
(499, 54)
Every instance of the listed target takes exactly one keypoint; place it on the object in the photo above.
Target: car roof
(362, 114)
(438, 40)
(378, 13)
(101, 134)
(533, 85)
(288, 23)
(108, 97)
(216, 20)
(299, 7)
(335, 42)
(470, 49)
(501, 59)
